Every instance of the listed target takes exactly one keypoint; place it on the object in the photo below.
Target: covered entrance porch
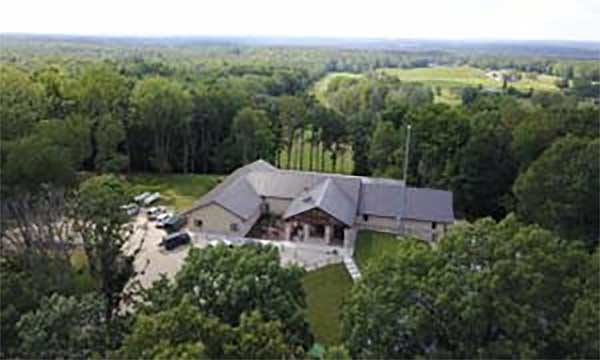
(317, 227)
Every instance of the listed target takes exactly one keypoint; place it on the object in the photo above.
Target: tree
(468, 95)
(73, 134)
(174, 332)
(385, 145)
(334, 134)
(182, 330)
(489, 290)
(104, 232)
(581, 331)
(103, 95)
(101, 90)
(110, 135)
(55, 85)
(336, 353)
(291, 115)
(225, 283)
(360, 126)
(34, 160)
(256, 338)
(252, 133)
(21, 103)
(559, 189)
(484, 169)
(63, 327)
(160, 106)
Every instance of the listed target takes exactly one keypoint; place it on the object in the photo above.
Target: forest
(78, 114)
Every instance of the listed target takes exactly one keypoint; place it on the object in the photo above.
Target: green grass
(176, 190)
(449, 78)
(325, 290)
(371, 245)
(321, 86)
(460, 76)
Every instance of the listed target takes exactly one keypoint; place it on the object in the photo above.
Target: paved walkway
(352, 268)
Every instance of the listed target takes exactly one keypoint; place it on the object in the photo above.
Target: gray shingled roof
(342, 196)
(386, 199)
(288, 184)
(429, 204)
(328, 197)
(237, 197)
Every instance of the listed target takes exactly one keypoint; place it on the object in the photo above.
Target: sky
(403, 19)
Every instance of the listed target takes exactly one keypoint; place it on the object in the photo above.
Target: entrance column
(328, 234)
(288, 231)
(305, 231)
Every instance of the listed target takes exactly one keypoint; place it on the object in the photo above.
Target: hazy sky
(450, 19)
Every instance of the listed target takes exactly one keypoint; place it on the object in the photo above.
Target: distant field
(460, 76)
(325, 290)
(321, 86)
(450, 79)
(177, 190)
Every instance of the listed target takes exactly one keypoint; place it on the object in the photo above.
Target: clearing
(449, 80)
(176, 190)
(325, 291)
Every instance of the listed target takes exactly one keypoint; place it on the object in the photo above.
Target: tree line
(106, 119)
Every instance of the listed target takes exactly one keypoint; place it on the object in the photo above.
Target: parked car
(177, 239)
(162, 219)
(152, 198)
(131, 209)
(141, 197)
(175, 223)
(154, 211)
(218, 242)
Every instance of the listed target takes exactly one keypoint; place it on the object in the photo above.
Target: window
(365, 217)
(198, 223)
(433, 225)
(234, 227)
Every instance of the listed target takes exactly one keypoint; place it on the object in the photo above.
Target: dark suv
(172, 241)
(175, 223)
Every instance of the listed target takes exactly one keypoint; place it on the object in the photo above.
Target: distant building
(319, 207)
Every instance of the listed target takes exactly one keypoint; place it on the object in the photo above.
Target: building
(318, 207)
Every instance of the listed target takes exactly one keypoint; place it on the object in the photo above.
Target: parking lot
(154, 260)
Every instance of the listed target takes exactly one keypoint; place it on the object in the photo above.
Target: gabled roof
(326, 196)
(342, 196)
(235, 193)
(288, 184)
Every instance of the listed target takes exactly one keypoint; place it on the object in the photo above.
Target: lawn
(371, 245)
(176, 190)
(325, 290)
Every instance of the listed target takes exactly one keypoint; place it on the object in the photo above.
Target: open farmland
(450, 80)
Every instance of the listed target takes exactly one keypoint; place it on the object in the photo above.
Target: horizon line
(284, 37)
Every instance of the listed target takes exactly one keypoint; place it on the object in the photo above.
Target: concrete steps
(352, 268)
